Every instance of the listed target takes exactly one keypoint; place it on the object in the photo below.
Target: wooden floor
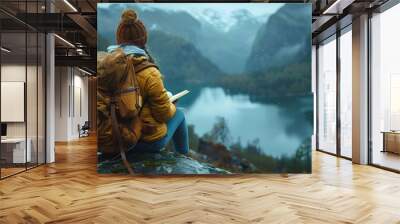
(5, 172)
(387, 159)
(70, 191)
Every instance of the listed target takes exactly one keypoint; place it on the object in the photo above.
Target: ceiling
(75, 21)
(331, 15)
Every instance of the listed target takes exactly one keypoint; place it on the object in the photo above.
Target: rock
(164, 162)
(216, 152)
(219, 155)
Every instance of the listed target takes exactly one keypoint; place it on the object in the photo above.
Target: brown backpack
(119, 102)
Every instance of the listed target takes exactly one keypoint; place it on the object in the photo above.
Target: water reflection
(279, 127)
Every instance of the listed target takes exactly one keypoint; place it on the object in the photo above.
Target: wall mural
(204, 88)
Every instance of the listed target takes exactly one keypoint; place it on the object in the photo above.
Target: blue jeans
(176, 130)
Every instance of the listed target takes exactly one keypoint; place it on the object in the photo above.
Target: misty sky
(220, 14)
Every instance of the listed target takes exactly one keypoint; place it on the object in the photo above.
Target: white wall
(81, 103)
(62, 81)
(71, 94)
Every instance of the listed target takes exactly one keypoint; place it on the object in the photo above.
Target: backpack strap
(117, 135)
(143, 65)
(138, 67)
(126, 90)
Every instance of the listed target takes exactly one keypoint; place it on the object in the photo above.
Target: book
(178, 95)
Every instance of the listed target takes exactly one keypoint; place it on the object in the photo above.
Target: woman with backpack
(159, 119)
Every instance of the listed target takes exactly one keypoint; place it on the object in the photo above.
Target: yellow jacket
(157, 109)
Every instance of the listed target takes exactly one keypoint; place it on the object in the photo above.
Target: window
(385, 89)
(346, 92)
(23, 77)
(327, 95)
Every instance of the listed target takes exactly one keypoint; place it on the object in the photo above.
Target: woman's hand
(169, 94)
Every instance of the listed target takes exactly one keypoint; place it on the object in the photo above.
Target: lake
(280, 127)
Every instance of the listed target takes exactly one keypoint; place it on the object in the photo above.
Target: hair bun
(129, 16)
(131, 30)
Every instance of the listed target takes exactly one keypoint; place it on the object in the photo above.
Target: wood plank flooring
(387, 159)
(70, 191)
(10, 171)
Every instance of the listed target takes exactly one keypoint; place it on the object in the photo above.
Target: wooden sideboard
(391, 141)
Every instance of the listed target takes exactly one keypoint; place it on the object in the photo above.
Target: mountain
(102, 43)
(228, 49)
(279, 64)
(285, 39)
(180, 60)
